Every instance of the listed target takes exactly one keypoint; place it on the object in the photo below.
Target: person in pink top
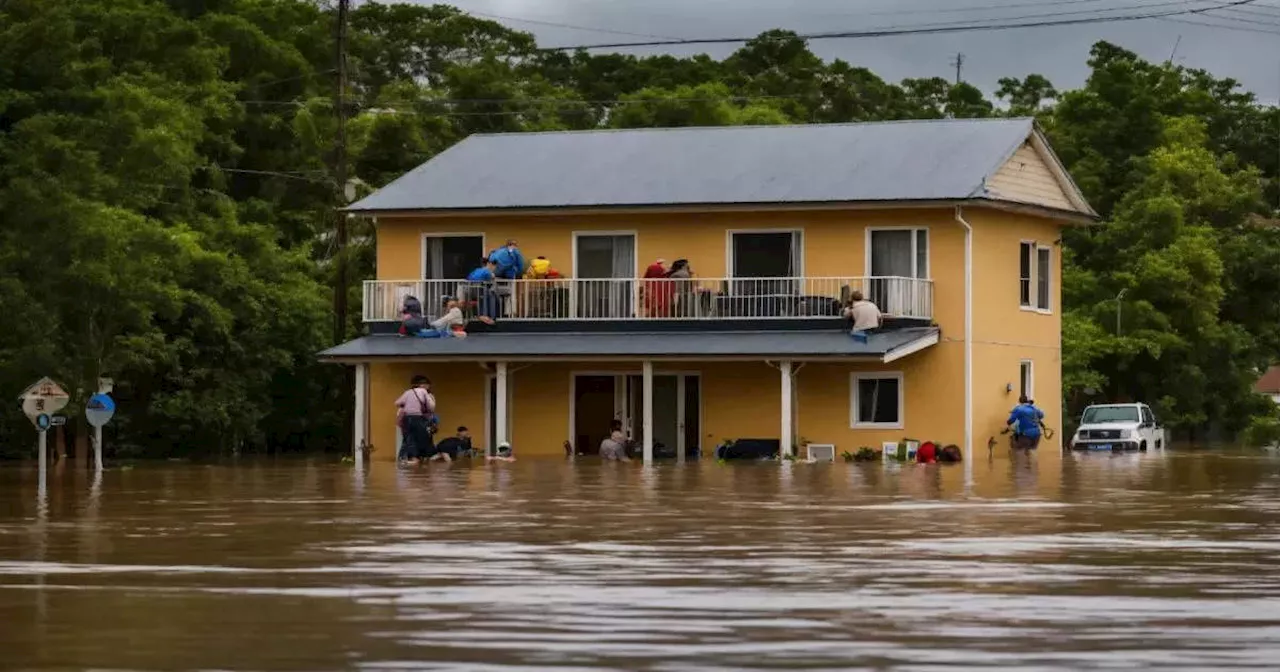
(414, 410)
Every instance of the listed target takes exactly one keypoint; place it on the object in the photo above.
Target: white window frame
(855, 378)
(915, 249)
(422, 248)
(1029, 377)
(1048, 289)
(1033, 283)
(729, 265)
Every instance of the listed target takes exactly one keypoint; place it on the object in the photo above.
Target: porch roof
(886, 346)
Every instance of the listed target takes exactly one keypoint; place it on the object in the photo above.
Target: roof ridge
(841, 124)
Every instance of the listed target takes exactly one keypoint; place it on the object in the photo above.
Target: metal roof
(926, 160)
(567, 345)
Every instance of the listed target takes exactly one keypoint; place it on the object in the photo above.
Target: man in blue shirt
(509, 263)
(1025, 420)
(480, 292)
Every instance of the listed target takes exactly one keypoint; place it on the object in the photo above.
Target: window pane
(764, 255)
(1024, 262)
(878, 400)
(1024, 385)
(1043, 269)
(922, 253)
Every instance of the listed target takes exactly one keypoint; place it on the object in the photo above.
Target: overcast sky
(1249, 52)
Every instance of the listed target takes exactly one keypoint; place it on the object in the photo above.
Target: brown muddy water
(1153, 561)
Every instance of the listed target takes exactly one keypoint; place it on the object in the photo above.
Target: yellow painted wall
(1005, 333)
(741, 399)
(834, 242)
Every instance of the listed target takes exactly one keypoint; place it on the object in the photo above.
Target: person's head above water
(1022, 399)
(464, 433)
(420, 381)
(504, 449)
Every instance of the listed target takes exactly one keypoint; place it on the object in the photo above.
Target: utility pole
(340, 175)
(959, 65)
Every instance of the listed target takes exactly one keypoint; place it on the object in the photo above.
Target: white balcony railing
(643, 299)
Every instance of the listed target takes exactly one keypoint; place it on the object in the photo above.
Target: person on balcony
(864, 315)
(541, 299)
(479, 290)
(508, 262)
(411, 320)
(450, 324)
(657, 291)
(680, 281)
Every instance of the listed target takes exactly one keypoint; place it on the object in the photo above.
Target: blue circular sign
(43, 421)
(99, 410)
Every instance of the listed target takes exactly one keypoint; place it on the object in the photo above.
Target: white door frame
(928, 260)
(620, 407)
(422, 248)
(729, 267)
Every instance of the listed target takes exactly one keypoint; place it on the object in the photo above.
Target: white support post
(681, 442)
(44, 462)
(97, 448)
(360, 435)
(500, 422)
(648, 411)
(787, 431)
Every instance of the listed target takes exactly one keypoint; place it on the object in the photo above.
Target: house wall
(835, 242)
(739, 400)
(1026, 178)
(1004, 333)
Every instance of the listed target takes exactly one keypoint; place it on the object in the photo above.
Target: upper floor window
(1035, 273)
(758, 258)
(451, 257)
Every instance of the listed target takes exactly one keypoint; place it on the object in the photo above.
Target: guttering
(968, 345)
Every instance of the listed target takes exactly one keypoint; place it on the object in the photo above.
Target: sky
(1244, 45)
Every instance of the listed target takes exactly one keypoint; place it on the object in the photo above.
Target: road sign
(43, 421)
(43, 397)
(99, 410)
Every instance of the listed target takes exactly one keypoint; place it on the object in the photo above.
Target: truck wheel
(1142, 447)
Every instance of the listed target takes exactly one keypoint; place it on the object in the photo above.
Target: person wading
(414, 409)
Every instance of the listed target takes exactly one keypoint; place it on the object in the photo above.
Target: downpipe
(968, 346)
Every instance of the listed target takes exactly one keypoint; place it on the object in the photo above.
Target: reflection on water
(1152, 560)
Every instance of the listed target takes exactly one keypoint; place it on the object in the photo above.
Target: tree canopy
(167, 193)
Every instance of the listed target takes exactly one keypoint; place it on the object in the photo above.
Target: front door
(676, 404)
(898, 257)
(604, 276)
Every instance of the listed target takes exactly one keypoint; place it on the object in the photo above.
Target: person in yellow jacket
(538, 269)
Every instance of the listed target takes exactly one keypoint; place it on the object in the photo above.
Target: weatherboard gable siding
(1026, 178)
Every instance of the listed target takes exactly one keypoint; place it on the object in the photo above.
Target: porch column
(647, 394)
(360, 437)
(787, 431)
(500, 422)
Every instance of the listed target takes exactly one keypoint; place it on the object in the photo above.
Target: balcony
(643, 300)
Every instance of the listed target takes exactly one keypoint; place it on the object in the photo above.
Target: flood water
(1156, 561)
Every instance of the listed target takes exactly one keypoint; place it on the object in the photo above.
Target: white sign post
(98, 412)
(40, 401)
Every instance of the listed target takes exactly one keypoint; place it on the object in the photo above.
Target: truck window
(1097, 414)
(1147, 416)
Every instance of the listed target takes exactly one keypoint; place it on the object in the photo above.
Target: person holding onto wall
(414, 410)
(1025, 420)
(864, 316)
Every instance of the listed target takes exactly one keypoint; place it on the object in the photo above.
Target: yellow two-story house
(951, 227)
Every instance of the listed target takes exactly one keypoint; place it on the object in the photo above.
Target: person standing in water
(1026, 420)
(414, 409)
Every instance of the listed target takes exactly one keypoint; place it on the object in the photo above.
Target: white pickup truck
(1118, 427)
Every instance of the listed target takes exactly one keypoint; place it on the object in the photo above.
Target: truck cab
(1118, 427)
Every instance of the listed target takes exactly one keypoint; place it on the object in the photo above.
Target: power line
(1206, 24)
(570, 26)
(1013, 24)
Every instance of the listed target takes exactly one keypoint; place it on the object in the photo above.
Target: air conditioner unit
(821, 452)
